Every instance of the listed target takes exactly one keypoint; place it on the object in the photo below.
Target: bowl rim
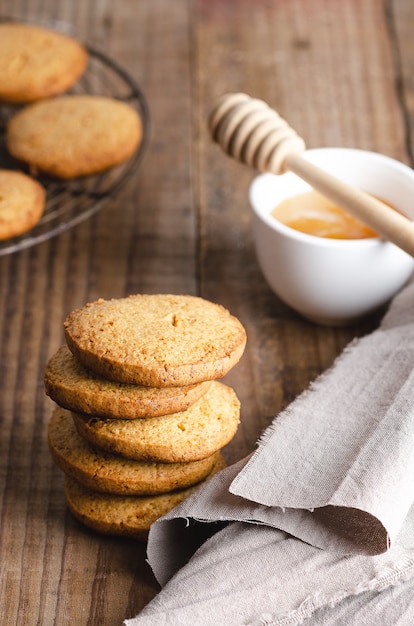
(313, 240)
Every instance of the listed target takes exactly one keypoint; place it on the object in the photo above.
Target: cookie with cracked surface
(158, 340)
(196, 433)
(22, 202)
(127, 516)
(74, 135)
(37, 62)
(109, 473)
(73, 386)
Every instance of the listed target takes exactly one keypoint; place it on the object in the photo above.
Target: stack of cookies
(141, 417)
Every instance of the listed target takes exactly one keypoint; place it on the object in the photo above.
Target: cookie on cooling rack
(109, 473)
(37, 62)
(157, 340)
(74, 387)
(191, 435)
(22, 202)
(74, 135)
(128, 516)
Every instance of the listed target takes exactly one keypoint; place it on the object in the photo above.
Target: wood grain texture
(341, 72)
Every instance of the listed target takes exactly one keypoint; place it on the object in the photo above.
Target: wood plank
(400, 18)
(268, 53)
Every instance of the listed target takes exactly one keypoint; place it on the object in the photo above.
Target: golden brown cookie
(194, 434)
(128, 516)
(22, 202)
(156, 340)
(36, 62)
(74, 135)
(108, 473)
(74, 387)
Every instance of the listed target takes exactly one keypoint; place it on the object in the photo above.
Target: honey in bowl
(311, 213)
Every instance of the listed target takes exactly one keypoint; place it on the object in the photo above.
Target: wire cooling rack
(69, 202)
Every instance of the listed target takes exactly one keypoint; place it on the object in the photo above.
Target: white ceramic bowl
(332, 281)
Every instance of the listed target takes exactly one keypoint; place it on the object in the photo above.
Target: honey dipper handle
(387, 222)
(250, 131)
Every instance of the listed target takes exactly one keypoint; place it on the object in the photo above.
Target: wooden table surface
(342, 72)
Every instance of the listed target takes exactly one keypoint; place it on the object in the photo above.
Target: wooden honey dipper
(248, 130)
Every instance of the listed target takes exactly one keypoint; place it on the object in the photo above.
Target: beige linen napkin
(319, 518)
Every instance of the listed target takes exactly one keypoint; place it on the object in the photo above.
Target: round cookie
(22, 202)
(74, 135)
(74, 387)
(205, 427)
(128, 516)
(156, 340)
(37, 62)
(107, 473)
